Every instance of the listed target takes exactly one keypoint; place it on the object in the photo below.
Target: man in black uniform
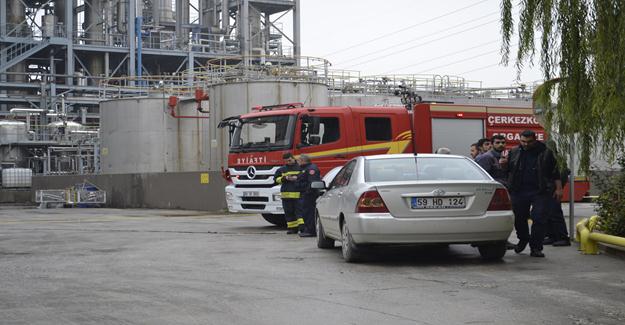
(534, 180)
(287, 175)
(308, 201)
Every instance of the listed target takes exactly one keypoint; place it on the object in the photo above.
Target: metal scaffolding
(77, 48)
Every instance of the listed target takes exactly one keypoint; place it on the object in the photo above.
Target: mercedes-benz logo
(251, 172)
(438, 192)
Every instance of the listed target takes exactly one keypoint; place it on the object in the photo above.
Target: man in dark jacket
(533, 179)
(308, 202)
(491, 159)
(557, 234)
(289, 192)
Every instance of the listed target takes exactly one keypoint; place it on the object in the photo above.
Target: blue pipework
(138, 24)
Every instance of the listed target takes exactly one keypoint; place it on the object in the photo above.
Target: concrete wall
(19, 196)
(183, 190)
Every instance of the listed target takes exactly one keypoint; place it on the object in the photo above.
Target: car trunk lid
(424, 199)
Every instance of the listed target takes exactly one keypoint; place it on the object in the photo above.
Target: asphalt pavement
(108, 266)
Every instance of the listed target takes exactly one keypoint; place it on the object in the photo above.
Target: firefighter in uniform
(287, 176)
(308, 201)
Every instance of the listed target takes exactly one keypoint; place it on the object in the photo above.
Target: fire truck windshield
(265, 133)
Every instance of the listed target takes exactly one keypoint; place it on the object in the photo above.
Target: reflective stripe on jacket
(288, 189)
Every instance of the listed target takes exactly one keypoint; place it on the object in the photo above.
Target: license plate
(448, 202)
(250, 193)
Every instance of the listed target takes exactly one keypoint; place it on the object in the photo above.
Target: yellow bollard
(586, 244)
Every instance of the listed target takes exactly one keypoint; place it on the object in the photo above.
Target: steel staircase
(19, 51)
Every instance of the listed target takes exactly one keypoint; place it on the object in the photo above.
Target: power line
(471, 58)
(423, 44)
(480, 68)
(460, 61)
(405, 28)
(444, 56)
(418, 38)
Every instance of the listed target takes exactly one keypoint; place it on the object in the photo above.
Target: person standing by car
(493, 159)
(287, 176)
(556, 233)
(484, 145)
(473, 150)
(494, 162)
(308, 201)
(533, 179)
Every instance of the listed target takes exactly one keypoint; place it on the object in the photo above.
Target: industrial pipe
(200, 96)
(173, 102)
(588, 239)
(225, 17)
(121, 16)
(27, 110)
(83, 132)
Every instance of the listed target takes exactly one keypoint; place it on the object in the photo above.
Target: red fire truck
(333, 135)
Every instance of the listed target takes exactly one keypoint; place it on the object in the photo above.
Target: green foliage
(611, 202)
(582, 56)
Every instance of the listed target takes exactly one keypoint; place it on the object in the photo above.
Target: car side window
(344, 175)
(349, 170)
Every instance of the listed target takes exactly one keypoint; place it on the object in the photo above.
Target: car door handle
(340, 194)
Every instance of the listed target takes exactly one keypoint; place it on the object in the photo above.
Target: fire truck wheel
(276, 219)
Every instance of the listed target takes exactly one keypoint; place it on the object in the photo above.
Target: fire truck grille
(254, 185)
(242, 169)
(255, 199)
(253, 206)
(258, 177)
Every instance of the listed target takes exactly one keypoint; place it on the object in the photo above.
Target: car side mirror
(318, 185)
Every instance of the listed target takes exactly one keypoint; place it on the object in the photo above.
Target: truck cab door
(383, 133)
(323, 136)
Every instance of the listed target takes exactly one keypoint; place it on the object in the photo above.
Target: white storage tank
(62, 130)
(17, 177)
(340, 99)
(236, 98)
(138, 135)
(12, 131)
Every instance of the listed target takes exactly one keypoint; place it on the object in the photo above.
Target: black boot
(520, 246)
(562, 242)
(537, 253)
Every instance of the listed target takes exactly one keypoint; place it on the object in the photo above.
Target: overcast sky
(444, 37)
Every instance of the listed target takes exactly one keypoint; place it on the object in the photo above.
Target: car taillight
(370, 201)
(500, 201)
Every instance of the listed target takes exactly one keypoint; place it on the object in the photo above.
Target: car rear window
(423, 169)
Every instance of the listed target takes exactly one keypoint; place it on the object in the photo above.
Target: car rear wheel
(493, 252)
(276, 219)
(322, 240)
(348, 248)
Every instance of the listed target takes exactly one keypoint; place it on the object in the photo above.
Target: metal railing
(248, 68)
(589, 239)
(33, 32)
(349, 81)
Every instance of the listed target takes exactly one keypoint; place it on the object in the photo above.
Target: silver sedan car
(408, 199)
